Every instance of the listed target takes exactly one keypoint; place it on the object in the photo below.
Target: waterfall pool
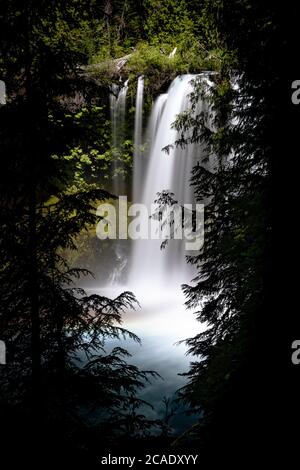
(161, 322)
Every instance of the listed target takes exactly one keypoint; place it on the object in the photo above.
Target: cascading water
(155, 275)
(138, 124)
(138, 132)
(118, 112)
(150, 269)
(169, 172)
(141, 160)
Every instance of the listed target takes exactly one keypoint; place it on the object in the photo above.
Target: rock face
(119, 63)
(112, 69)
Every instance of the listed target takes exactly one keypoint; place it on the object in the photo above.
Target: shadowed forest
(71, 390)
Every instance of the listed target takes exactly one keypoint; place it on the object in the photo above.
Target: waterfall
(138, 124)
(152, 274)
(138, 132)
(118, 113)
(172, 54)
(151, 265)
(117, 99)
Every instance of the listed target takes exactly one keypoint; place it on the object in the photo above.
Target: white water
(155, 276)
(117, 101)
(172, 54)
(118, 114)
(150, 264)
(138, 137)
